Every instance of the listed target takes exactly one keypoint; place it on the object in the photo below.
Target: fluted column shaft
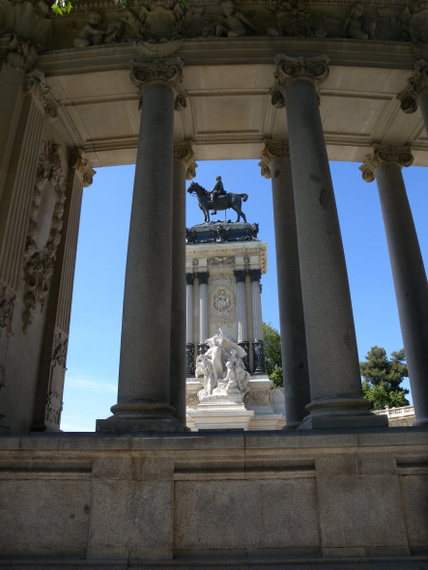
(203, 310)
(334, 375)
(259, 366)
(190, 347)
(183, 168)
(410, 281)
(277, 166)
(241, 313)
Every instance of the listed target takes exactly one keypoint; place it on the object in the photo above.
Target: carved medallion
(222, 301)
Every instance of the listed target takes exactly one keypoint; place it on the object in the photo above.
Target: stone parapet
(95, 501)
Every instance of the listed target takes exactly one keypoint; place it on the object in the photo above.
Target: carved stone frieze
(381, 155)
(54, 407)
(93, 33)
(42, 243)
(169, 72)
(222, 305)
(36, 87)
(21, 53)
(221, 260)
(81, 165)
(7, 305)
(272, 151)
(289, 69)
(417, 84)
(183, 152)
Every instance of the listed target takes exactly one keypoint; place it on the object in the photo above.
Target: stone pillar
(410, 281)
(416, 92)
(183, 169)
(190, 347)
(259, 366)
(50, 387)
(276, 165)
(144, 371)
(203, 311)
(241, 313)
(335, 383)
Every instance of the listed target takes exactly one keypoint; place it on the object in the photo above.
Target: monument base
(136, 426)
(220, 413)
(343, 421)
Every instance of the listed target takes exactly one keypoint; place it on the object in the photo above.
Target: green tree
(273, 357)
(382, 378)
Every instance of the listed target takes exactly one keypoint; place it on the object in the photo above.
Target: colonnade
(243, 340)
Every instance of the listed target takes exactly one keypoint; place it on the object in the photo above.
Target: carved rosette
(169, 72)
(290, 69)
(39, 258)
(183, 152)
(7, 305)
(272, 151)
(417, 84)
(36, 87)
(381, 155)
(81, 165)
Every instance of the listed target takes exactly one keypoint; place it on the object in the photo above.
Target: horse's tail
(244, 196)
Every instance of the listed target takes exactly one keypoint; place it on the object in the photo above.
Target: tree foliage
(382, 378)
(273, 358)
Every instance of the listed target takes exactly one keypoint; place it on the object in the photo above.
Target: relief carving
(21, 53)
(94, 34)
(222, 301)
(59, 354)
(381, 155)
(36, 87)
(43, 239)
(54, 407)
(222, 260)
(7, 305)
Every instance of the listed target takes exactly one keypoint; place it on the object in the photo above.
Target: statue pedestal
(220, 412)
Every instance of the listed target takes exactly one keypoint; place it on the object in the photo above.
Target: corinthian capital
(81, 165)
(416, 85)
(289, 69)
(36, 87)
(168, 72)
(184, 153)
(381, 155)
(273, 150)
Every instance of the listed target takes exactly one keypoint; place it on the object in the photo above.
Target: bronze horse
(223, 202)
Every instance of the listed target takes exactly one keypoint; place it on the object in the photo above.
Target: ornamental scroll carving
(417, 84)
(273, 150)
(44, 230)
(222, 306)
(184, 153)
(158, 26)
(36, 87)
(381, 155)
(169, 72)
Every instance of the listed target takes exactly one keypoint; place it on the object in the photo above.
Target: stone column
(276, 165)
(416, 92)
(241, 313)
(50, 387)
(335, 383)
(410, 281)
(259, 366)
(190, 347)
(203, 311)
(183, 169)
(144, 371)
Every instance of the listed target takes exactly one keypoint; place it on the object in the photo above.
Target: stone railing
(402, 412)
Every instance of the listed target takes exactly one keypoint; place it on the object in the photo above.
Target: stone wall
(252, 498)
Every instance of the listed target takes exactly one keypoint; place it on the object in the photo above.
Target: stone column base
(345, 421)
(140, 425)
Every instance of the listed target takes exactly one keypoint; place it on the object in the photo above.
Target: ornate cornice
(417, 84)
(169, 72)
(36, 87)
(381, 155)
(272, 151)
(81, 165)
(290, 69)
(183, 152)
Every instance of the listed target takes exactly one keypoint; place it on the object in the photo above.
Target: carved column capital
(240, 275)
(36, 87)
(203, 277)
(190, 278)
(290, 69)
(81, 165)
(21, 53)
(272, 151)
(381, 155)
(255, 274)
(183, 152)
(416, 85)
(167, 72)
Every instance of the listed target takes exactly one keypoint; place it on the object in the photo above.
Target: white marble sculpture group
(223, 369)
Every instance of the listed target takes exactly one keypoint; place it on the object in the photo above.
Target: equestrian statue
(218, 199)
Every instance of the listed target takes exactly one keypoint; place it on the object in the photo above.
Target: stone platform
(343, 499)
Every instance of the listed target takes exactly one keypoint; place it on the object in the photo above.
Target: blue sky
(94, 343)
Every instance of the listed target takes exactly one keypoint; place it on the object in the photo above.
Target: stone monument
(227, 385)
